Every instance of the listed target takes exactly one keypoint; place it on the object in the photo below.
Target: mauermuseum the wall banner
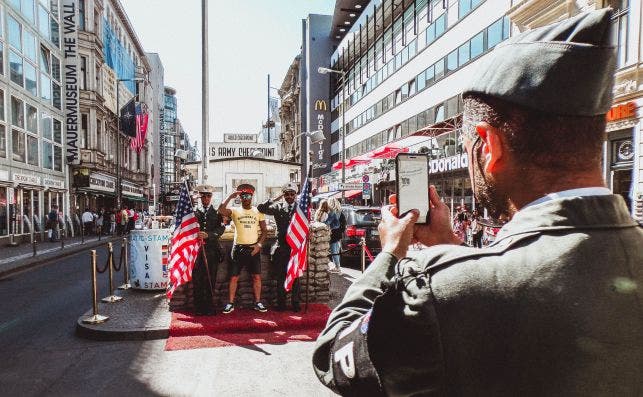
(70, 75)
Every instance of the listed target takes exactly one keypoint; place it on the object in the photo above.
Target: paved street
(42, 356)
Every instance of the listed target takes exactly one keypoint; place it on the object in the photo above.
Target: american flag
(185, 244)
(297, 237)
(138, 141)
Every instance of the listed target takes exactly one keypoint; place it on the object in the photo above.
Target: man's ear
(492, 150)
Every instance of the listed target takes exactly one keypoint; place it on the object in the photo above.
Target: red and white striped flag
(185, 243)
(137, 142)
(297, 238)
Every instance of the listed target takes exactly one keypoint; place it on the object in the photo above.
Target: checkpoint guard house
(241, 159)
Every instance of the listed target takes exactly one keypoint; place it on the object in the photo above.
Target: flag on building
(297, 238)
(128, 118)
(138, 141)
(185, 243)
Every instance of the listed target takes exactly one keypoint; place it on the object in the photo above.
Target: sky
(248, 39)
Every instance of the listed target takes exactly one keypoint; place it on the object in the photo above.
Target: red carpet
(246, 327)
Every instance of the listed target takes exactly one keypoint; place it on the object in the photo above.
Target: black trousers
(200, 283)
(477, 239)
(280, 263)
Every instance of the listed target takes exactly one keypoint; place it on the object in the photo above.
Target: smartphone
(412, 180)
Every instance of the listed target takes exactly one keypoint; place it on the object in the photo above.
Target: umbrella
(388, 151)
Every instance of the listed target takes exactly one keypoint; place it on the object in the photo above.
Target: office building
(289, 135)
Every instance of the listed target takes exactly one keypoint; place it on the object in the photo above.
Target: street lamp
(323, 70)
(119, 190)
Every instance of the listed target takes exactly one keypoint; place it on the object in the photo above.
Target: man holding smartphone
(553, 307)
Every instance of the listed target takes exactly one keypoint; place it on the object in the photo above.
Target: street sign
(365, 178)
(366, 191)
(350, 186)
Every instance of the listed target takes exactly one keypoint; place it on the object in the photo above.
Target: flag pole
(308, 252)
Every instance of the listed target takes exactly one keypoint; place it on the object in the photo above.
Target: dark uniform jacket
(553, 308)
(211, 222)
(282, 217)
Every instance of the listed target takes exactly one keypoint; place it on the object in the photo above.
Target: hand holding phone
(412, 180)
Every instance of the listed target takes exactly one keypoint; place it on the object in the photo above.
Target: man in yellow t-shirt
(246, 250)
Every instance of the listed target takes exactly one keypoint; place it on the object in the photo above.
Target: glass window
(441, 25)
(56, 95)
(43, 21)
(15, 4)
(58, 131)
(439, 113)
(32, 150)
(420, 82)
(439, 69)
(17, 112)
(58, 158)
(2, 105)
(494, 34)
(30, 79)
(464, 7)
(1, 58)
(15, 38)
(430, 34)
(47, 155)
(429, 75)
(463, 54)
(412, 88)
(81, 14)
(32, 119)
(29, 45)
(413, 48)
(55, 67)
(44, 59)
(477, 45)
(28, 10)
(452, 61)
(18, 145)
(3, 142)
(55, 32)
(46, 126)
(15, 65)
(405, 91)
(45, 87)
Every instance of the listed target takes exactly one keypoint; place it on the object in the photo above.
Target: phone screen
(413, 184)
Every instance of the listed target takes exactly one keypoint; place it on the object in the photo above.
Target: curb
(88, 332)
(43, 259)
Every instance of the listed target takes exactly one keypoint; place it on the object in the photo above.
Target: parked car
(360, 222)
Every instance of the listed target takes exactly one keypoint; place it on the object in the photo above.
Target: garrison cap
(204, 189)
(566, 68)
(289, 187)
(246, 188)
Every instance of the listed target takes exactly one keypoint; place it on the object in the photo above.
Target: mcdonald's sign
(320, 104)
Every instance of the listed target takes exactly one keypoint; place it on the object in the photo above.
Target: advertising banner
(71, 105)
(149, 254)
(109, 88)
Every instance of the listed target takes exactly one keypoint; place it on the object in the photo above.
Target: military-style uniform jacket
(282, 217)
(553, 308)
(210, 222)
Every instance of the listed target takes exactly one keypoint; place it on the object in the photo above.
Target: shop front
(93, 190)
(133, 196)
(619, 153)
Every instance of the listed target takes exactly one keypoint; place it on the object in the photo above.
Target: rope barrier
(110, 261)
(101, 271)
(95, 318)
(120, 262)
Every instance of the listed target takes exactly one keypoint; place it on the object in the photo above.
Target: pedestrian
(112, 222)
(88, 221)
(100, 218)
(280, 252)
(246, 249)
(204, 276)
(130, 219)
(124, 220)
(476, 229)
(52, 223)
(337, 224)
(553, 307)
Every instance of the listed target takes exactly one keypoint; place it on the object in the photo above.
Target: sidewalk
(20, 257)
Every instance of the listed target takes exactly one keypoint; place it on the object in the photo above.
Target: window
(32, 150)
(439, 113)
(55, 68)
(56, 95)
(46, 126)
(412, 87)
(58, 158)
(30, 79)
(429, 75)
(494, 34)
(45, 87)
(47, 155)
(463, 54)
(15, 38)
(420, 81)
(18, 145)
(464, 7)
(15, 66)
(477, 45)
(83, 73)
(440, 25)
(58, 131)
(3, 141)
(81, 14)
(55, 32)
(404, 92)
(398, 96)
(620, 19)
(2, 105)
(29, 45)
(32, 119)
(17, 112)
(44, 60)
(43, 22)
(84, 132)
(1, 58)
(439, 69)
(28, 10)
(452, 61)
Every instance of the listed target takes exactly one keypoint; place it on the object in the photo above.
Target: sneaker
(229, 308)
(260, 307)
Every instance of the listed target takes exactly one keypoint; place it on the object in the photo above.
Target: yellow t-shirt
(246, 225)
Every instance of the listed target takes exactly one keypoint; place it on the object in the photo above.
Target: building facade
(290, 133)
(157, 82)
(32, 163)
(623, 148)
(113, 70)
(404, 65)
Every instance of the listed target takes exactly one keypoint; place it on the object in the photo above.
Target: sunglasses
(246, 196)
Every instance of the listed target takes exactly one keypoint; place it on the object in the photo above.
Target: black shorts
(241, 256)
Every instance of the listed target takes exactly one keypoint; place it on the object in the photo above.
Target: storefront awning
(142, 199)
(322, 196)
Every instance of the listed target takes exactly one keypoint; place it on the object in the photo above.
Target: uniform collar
(580, 192)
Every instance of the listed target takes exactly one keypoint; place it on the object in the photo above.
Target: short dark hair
(549, 142)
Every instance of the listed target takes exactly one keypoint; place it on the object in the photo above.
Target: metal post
(82, 229)
(111, 298)
(119, 198)
(205, 100)
(268, 113)
(62, 234)
(363, 244)
(343, 126)
(126, 284)
(34, 246)
(95, 318)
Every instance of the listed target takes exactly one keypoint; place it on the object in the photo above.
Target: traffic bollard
(95, 318)
(34, 247)
(126, 284)
(111, 298)
(62, 238)
(363, 244)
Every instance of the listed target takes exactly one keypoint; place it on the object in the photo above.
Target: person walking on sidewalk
(88, 221)
(283, 213)
(211, 228)
(337, 224)
(52, 221)
(246, 249)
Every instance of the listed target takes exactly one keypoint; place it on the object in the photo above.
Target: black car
(360, 222)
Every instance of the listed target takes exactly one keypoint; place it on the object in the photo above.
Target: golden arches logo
(321, 105)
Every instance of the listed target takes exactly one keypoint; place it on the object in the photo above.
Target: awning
(322, 196)
(357, 160)
(131, 198)
(351, 193)
(388, 151)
